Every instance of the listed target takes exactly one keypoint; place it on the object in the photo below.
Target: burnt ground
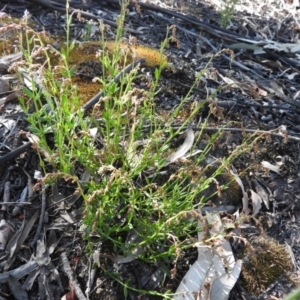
(257, 93)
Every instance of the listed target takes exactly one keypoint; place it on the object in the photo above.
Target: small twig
(13, 154)
(41, 220)
(17, 203)
(71, 276)
(97, 286)
(240, 130)
(6, 195)
(62, 8)
(91, 279)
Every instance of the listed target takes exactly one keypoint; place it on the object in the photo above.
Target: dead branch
(71, 276)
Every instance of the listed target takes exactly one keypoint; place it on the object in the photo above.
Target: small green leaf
(156, 74)
(72, 45)
(28, 92)
(72, 70)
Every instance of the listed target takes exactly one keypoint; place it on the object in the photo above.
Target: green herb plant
(127, 191)
(227, 11)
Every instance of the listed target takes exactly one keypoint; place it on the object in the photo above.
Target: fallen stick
(71, 276)
(289, 137)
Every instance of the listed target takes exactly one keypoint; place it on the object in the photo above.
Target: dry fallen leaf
(4, 234)
(208, 278)
(256, 202)
(184, 148)
(245, 196)
(271, 167)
